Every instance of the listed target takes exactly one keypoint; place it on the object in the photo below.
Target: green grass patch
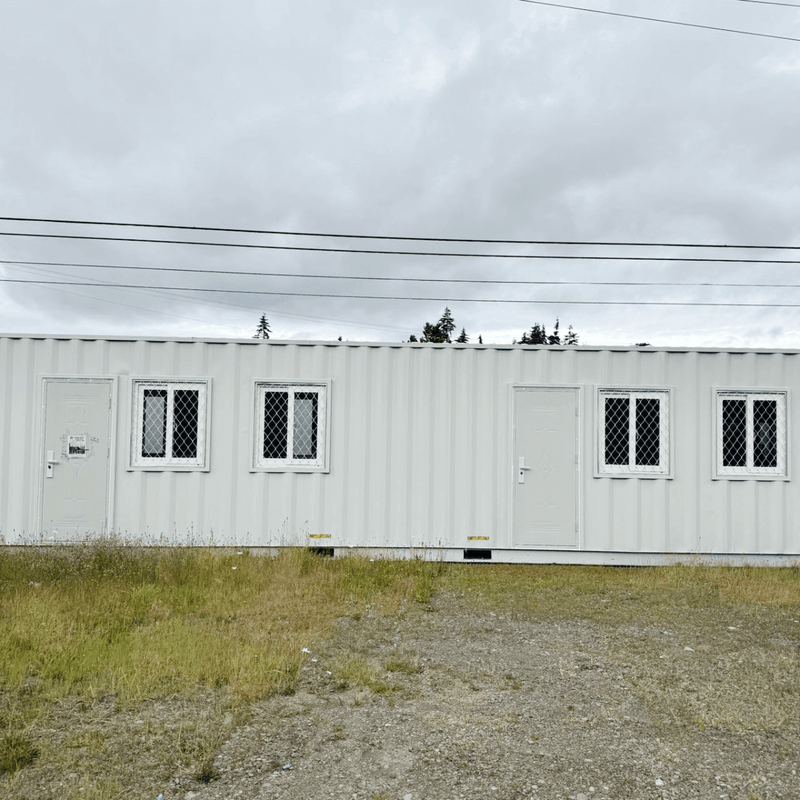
(135, 625)
(623, 593)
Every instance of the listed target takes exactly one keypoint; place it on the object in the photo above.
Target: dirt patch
(455, 704)
(460, 704)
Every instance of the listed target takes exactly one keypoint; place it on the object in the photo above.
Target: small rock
(659, 782)
(581, 796)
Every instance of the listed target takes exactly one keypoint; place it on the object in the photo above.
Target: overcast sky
(491, 119)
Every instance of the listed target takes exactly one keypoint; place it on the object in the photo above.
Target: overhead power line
(452, 240)
(433, 254)
(273, 313)
(663, 21)
(415, 299)
(400, 279)
(770, 3)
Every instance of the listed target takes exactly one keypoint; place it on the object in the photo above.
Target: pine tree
(263, 330)
(480, 339)
(446, 324)
(538, 335)
(434, 334)
(571, 338)
(462, 337)
(554, 338)
(439, 332)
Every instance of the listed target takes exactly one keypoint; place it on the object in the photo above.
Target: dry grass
(703, 647)
(117, 655)
(162, 650)
(631, 591)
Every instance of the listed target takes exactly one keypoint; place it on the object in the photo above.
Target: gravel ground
(461, 705)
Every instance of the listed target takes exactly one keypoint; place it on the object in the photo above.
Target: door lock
(522, 470)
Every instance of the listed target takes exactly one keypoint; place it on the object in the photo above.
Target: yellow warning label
(477, 538)
(319, 536)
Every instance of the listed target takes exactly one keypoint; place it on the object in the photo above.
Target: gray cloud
(448, 119)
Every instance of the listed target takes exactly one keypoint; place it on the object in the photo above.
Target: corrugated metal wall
(420, 446)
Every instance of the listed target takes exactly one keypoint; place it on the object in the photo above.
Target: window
(751, 434)
(169, 424)
(291, 427)
(633, 432)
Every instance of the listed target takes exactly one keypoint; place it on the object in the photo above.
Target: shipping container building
(601, 455)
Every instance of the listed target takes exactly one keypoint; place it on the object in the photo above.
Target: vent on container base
(475, 554)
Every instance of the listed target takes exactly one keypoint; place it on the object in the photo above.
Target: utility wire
(770, 3)
(416, 299)
(492, 282)
(264, 232)
(146, 293)
(664, 21)
(130, 305)
(155, 292)
(535, 256)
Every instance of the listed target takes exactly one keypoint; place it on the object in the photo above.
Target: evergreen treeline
(441, 332)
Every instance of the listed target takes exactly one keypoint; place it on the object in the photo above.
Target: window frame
(167, 463)
(666, 413)
(749, 471)
(258, 463)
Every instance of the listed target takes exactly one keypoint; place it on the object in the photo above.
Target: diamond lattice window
(751, 434)
(634, 432)
(169, 424)
(290, 426)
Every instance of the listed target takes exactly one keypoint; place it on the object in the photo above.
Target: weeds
(137, 625)
(16, 752)
(124, 631)
(408, 666)
(359, 672)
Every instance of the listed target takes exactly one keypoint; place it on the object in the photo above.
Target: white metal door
(75, 460)
(546, 467)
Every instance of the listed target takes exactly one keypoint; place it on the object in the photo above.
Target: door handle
(51, 462)
(521, 470)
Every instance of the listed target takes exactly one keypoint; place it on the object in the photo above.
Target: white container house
(512, 453)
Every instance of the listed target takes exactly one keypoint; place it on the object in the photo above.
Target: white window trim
(168, 463)
(322, 462)
(666, 414)
(750, 472)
